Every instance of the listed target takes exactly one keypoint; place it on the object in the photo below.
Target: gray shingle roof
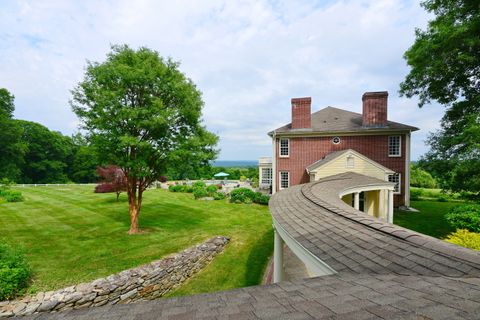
(332, 297)
(384, 271)
(350, 241)
(334, 120)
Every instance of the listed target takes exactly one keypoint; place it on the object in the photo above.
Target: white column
(277, 258)
(356, 200)
(390, 206)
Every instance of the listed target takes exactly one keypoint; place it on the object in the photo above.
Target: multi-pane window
(284, 179)
(284, 147)
(394, 144)
(395, 178)
(266, 176)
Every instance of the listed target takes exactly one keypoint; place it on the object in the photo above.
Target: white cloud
(247, 57)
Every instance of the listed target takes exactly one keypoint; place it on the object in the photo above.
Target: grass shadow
(258, 258)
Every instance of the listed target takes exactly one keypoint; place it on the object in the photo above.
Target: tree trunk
(118, 195)
(133, 205)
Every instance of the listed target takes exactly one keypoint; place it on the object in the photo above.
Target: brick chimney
(301, 113)
(375, 109)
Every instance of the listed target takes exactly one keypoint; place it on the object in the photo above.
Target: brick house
(333, 141)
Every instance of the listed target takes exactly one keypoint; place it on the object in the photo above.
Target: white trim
(274, 164)
(373, 187)
(399, 146)
(314, 265)
(280, 148)
(352, 152)
(407, 170)
(280, 179)
(297, 134)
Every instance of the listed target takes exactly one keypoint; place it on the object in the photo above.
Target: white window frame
(399, 182)
(280, 179)
(399, 147)
(268, 179)
(280, 148)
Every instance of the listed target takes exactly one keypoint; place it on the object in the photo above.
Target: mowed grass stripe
(71, 235)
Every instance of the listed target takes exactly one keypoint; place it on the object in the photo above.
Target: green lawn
(71, 235)
(430, 220)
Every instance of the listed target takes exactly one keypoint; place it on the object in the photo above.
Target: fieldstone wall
(146, 282)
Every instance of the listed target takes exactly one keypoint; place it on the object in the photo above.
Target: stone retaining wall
(146, 282)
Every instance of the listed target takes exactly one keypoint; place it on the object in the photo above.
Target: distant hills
(235, 163)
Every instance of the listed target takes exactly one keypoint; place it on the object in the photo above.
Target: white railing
(265, 160)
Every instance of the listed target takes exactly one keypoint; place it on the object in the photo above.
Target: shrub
(176, 188)
(10, 195)
(212, 189)
(442, 198)
(465, 239)
(162, 179)
(465, 217)
(421, 178)
(218, 196)
(261, 198)
(200, 192)
(14, 272)
(180, 188)
(13, 196)
(242, 195)
(199, 184)
(416, 194)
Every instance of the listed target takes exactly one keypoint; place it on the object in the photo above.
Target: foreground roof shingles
(384, 271)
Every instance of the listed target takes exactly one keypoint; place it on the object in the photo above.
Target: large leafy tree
(12, 148)
(445, 67)
(48, 154)
(83, 165)
(141, 112)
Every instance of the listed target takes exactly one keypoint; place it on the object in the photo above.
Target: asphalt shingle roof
(335, 120)
(384, 271)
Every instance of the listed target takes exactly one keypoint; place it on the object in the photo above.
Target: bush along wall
(146, 282)
(14, 272)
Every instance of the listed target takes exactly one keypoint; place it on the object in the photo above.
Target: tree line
(31, 153)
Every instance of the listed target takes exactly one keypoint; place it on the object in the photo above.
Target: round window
(336, 140)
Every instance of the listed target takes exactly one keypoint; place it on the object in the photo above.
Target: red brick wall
(374, 109)
(301, 113)
(305, 151)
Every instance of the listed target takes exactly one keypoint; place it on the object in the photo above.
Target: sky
(248, 58)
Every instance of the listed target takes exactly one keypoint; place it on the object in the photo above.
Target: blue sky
(249, 58)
